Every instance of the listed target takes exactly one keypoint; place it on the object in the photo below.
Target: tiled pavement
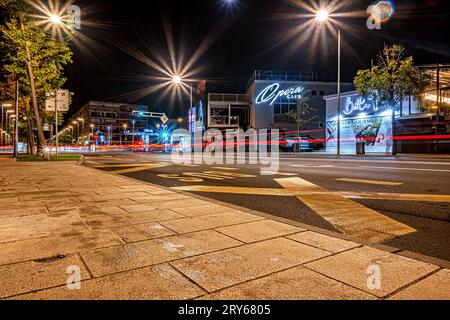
(130, 240)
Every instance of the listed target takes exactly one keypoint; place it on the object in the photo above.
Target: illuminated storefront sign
(433, 97)
(272, 93)
(375, 131)
(357, 105)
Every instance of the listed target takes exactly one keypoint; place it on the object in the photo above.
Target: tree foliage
(31, 55)
(392, 79)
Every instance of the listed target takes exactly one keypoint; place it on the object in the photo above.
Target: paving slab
(25, 250)
(160, 282)
(259, 230)
(294, 284)
(34, 275)
(142, 254)
(111, 221)
(324, 242)
(212, 221)
(163, 205)
(226, 268)
(38, 226)
(352, 268)
(159, 198)
(201, 210)
(142, 232)
(435, 287)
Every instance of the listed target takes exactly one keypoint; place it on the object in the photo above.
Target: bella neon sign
(272, 93)
(358, 105)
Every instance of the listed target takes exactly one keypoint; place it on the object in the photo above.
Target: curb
(403, 253)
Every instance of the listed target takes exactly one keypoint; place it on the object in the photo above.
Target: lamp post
(92, 132)
(78, 130)
(323, 16)
(16, 126)
(134, 123)
(82, 130)
(109, 136)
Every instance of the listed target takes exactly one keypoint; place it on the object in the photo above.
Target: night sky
(242, 39)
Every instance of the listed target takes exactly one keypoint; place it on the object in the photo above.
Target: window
(314, 92)
(322, 93)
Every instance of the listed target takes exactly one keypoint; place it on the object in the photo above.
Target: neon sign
(272, 93)
(358, 105)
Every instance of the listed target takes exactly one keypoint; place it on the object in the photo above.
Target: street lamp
(78, 129)
(322, 16)
(82, 130)
(177, 81)
(92, 129)
(134, 123)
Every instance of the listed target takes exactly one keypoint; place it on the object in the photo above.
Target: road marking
(375, 182)
(312, 166)
(349, 217)
(284, 193)
(373, 161)
(236, 190)
(200, 176)
(225, 168)
(396, 196)
(137, 168)
(407, 169)
(274, 173)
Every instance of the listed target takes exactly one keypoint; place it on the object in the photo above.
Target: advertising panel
(376, 131)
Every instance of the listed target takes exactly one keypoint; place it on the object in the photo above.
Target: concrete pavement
(71, 232)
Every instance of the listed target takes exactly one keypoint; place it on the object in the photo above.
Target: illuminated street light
(55, 19)
(322, 15)
(176, 79)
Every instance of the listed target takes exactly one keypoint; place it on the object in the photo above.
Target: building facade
(110, 123)
(269, 99)
(362, 120)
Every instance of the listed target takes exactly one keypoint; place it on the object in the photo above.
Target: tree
(33, 56)
(393, 78)
(301, 116)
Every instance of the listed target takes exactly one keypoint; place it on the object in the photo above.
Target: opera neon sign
(358, 105)
(272, 93)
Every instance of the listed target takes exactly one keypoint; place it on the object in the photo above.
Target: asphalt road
(414, 192)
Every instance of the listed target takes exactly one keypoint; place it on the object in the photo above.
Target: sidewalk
(130, 240)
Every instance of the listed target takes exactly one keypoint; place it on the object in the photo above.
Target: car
(290, 143)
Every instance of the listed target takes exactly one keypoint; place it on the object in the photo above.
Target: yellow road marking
(236, 190)
(273, 173)
(285, 193)
(225, 168)
(137, 168)
(351, 218)
(375, 182)
(396, 196)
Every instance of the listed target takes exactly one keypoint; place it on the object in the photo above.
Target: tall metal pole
(339, 94)
(16, 128)
(133, 131)
(438, 106)
(3, 128)
(56, 122)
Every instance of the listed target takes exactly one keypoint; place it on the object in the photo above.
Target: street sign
(164, 119)
(62, 101)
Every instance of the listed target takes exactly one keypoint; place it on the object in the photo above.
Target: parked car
(291, 143)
